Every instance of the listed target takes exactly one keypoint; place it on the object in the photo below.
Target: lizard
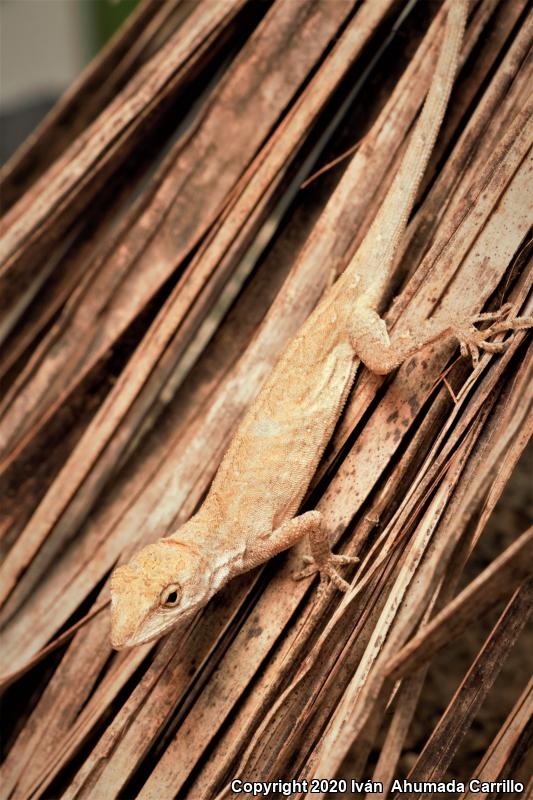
(250, 513)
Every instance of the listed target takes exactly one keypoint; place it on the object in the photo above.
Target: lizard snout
(124, 616)
(122, 630)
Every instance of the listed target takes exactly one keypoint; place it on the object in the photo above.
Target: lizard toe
(491, 316)
(335, 578)
(341, 559)
(327, 571)
(306, 572)
(495, 347)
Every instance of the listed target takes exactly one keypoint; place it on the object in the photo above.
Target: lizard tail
(381, 242)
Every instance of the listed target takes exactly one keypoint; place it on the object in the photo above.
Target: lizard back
(284, 433)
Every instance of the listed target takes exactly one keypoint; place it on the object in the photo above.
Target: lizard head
(164, 583)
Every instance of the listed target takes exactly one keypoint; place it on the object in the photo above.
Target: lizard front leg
(311, 523)
(323, 560)
(372, 345)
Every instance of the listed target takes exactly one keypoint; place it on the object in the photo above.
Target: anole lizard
(249, 513)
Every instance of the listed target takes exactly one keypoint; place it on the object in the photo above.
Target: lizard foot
(327, 571)
(472, 340)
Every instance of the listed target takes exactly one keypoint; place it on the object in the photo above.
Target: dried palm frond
(158, 257)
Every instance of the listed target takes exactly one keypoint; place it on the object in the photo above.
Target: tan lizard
(249, 513)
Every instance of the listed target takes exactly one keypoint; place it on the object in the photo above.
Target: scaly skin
(249, 513)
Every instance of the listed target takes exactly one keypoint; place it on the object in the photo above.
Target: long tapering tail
(381, 242)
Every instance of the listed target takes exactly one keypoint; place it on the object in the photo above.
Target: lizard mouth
(121, 643)
(121, 640)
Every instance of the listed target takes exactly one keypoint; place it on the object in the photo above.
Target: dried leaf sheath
(254, 686)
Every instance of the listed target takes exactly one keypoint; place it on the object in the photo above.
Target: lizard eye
(171, 596)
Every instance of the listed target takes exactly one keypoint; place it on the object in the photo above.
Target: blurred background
(44, 44)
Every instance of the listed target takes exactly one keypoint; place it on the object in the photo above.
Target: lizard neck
(215, 540)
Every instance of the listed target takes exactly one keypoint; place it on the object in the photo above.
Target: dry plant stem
(290, 656)
(412, 685)
(504, 744)
(247, 766)
(65, 283)
(108, 689)
(174, 755)
(505, 471)
(504, 574)
(356, 706)
(184, 203)
(113, 761)
(168, 679)
(44, 745)
(66, 693)
(447, 736)
(407, 701)
(56, 199)
(118, 406)
(7, 680)
(259, 759)
(273, 335)
(85, 98)
(399, 730)
(406, 597)
(486, 113)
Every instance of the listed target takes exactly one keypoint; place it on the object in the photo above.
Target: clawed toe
(472, 341)
(495, 347)
(328, 576)
(335, 579)
(328, 573)
(493, 315)
(312, 569)
(513, 324)
(339, 559)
